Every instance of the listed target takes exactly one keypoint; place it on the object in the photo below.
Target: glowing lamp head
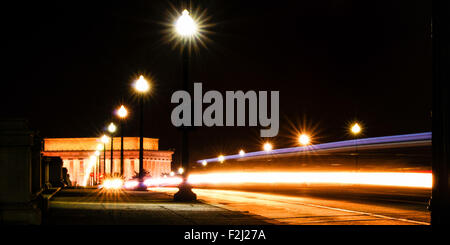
(221, 158)
(99, 147)
(267, 147)
(241, 153)
(172, 173)
(304, 139)
(185, 25)
(122, 112)
(181, 170)
(105, 139)
(356, 129)
(141, 85)
(204, 163)
(112, 128)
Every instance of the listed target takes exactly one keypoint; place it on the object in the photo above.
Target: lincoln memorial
(78, 157)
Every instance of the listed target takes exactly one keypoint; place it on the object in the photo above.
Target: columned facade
(77, 153)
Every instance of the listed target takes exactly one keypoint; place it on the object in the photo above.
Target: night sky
(69, 64)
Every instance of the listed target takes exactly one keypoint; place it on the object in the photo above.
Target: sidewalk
(98, 207)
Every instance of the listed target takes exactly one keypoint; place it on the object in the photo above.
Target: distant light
(356, 129)
(97, 153)
(131, 184)
(141, 85)
(92, 158)
(105, 139)
(185, 25)
(99, 147)
(304, 139)
(122, 112)
(181, 170)
(172, 173)
(113, 183)
(241, 153)
(267, 146)
(221, 158)
(204, 163)
(112, 128)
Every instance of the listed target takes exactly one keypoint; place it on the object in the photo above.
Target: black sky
(68, 64)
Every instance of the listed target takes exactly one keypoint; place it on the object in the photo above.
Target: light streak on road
(418, 180)
(423, 180)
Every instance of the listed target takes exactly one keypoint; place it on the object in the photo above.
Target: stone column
(20, 173)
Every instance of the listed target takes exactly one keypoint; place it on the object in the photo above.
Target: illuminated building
(76, 152)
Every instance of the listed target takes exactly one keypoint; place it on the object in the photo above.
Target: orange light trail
(369, 178)
(420, 180)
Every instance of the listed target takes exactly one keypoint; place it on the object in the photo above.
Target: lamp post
(97, 163)
(356, 129)
(186, 28)
(104, 140)
(122, 114)
(112, 128)
(142, 87)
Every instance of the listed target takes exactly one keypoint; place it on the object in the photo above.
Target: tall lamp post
(122, 114)
(97, 163)
(356, 130)
(142, 87)
(104, 140)
(111, 129)
(186, 28)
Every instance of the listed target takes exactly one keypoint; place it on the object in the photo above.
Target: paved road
(323, 205)
(95, 207)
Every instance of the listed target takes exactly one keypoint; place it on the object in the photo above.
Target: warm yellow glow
(122, 112)
(89, 168)
(99, 147)
(356, 129)
(241, 153)
(267, 146)
(304, 139)
(97, 153)
(423, 180)
(172, 173)
(204, 163)
(113, 183)
(112, 128)
(221, 158)
(185, 25)
(181, 170)
(105, 139)
(141, 85)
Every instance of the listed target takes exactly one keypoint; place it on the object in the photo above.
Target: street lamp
(142, 87)
(104, 140)
(356, 130)
(221, 158)
(267, 147)
(97, 164)
(122, 113)
(112, 128)
(241, 153)
(204, 163)
(185, 25)
(304, 139)
(186, 28)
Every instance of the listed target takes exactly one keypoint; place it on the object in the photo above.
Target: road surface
(322, 205)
